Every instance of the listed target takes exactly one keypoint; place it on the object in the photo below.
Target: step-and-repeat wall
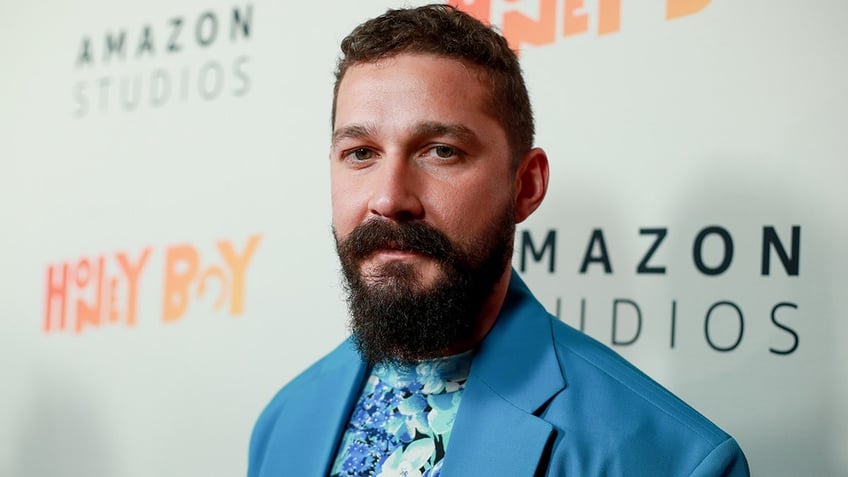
(167, 261)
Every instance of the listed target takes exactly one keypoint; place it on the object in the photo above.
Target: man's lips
(395, 254)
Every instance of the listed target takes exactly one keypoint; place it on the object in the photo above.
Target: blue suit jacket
(541, 399)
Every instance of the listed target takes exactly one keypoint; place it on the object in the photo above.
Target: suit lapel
(492, 437)
(515, 372)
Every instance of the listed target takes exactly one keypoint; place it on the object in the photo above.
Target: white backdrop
(168, 194)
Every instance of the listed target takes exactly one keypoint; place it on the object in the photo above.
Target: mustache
(380, 234)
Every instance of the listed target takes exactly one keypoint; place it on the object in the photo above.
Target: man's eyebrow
(353, 131)
(435, 128)
(421, 130)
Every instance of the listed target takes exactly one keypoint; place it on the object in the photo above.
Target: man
(453, 367)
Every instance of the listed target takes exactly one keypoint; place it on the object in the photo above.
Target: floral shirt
(402, 423)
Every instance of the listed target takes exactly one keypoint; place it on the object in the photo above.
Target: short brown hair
(446, 31)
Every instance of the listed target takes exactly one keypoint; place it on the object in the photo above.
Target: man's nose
(396, 190)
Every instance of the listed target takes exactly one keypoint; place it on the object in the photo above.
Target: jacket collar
(514, 374)
(517, 359)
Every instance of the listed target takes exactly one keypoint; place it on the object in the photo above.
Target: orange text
(549, 20)
(104, 289)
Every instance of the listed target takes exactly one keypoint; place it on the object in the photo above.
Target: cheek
(482, 194)
(350, 205)
(343, 210)
(343, 221)
(466, 211)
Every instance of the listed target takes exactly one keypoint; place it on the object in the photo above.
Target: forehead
(406, 82)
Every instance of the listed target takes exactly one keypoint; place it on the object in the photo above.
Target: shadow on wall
(62, 434)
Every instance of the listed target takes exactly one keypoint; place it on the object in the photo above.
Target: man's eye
(444, 152)
(362, 154)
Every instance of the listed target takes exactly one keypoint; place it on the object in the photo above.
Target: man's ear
(531, 183)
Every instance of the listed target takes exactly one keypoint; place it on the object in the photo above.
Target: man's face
(423, 195)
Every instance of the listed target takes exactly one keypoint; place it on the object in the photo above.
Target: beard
(394, 316)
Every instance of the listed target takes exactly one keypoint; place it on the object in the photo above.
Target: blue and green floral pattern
(402, 423)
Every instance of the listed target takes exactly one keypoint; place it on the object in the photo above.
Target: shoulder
(341, 357)
(614, 414)
(591, 367)
(322, 382)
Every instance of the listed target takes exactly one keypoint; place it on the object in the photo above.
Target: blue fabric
(402, 422)
(541, 399)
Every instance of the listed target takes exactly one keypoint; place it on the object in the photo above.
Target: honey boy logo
(97, 291)
(712, 255)
(128, 68)
(553, 19)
